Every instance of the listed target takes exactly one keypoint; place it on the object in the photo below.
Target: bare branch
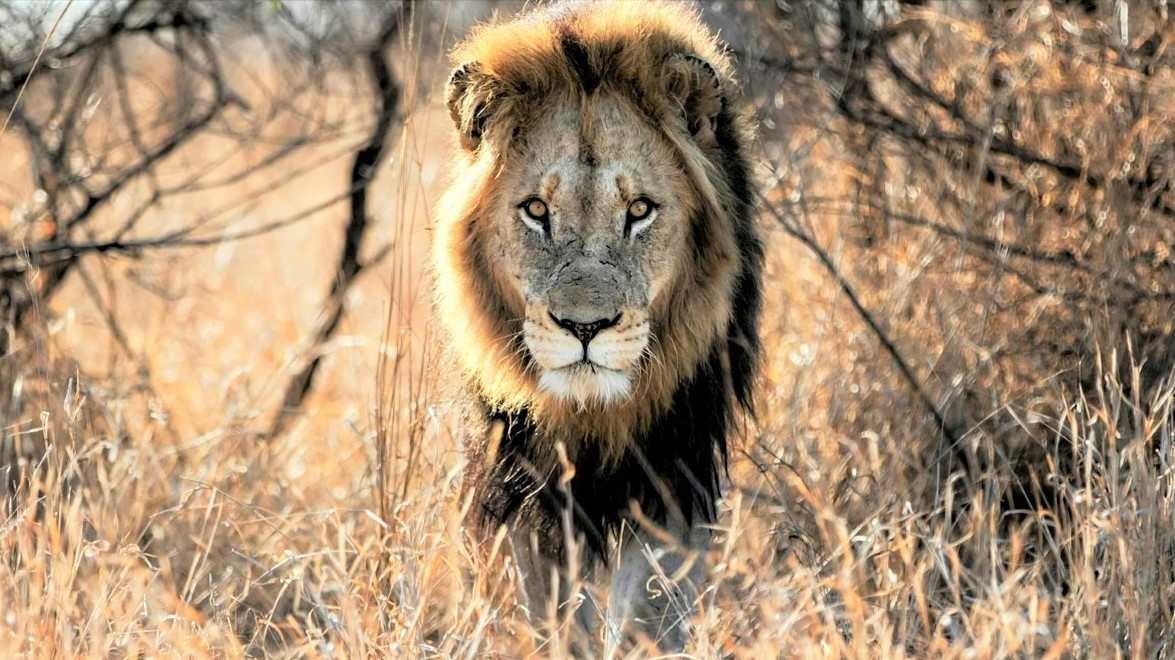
(363, 169)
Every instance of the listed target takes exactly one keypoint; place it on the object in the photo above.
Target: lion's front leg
(552, 574)
(655, 581)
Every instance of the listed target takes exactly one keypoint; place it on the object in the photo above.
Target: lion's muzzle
(585, 334)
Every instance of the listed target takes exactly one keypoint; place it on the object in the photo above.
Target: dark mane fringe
(743, 342)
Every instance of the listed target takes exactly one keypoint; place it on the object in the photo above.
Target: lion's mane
(664, 448)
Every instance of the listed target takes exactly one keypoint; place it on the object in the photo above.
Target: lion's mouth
(586, 363)
(585, 382)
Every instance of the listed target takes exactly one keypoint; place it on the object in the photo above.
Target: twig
(37, 60)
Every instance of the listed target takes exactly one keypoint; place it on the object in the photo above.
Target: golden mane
(629, 41)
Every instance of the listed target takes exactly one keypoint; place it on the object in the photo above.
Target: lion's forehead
(591, 140)
(590, 170)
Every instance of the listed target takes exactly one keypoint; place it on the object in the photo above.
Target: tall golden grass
(149, 516)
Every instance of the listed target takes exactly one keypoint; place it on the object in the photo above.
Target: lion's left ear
(468, 96)
(695, 85)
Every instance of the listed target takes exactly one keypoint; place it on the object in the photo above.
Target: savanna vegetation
(222, 431)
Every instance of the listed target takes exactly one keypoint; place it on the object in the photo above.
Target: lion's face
(590, 239)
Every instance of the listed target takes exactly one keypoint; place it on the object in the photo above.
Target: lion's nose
(585, 331)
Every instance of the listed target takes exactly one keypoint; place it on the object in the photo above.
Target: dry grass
(149, 517)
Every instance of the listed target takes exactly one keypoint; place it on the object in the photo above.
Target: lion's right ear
(696, 87)
(468, 95)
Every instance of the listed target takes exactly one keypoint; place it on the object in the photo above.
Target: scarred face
(600, 231)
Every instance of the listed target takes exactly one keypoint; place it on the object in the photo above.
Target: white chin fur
(584, 384)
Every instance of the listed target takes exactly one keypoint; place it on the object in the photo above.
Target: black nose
(585, 331)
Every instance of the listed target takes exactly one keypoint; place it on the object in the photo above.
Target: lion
(598, 272)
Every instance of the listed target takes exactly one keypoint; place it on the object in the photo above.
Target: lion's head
(596, 240)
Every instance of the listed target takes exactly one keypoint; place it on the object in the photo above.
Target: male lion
(597, 266)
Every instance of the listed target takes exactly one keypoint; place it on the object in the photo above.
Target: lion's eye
(536, 209)
(536, 215)
(640, 213)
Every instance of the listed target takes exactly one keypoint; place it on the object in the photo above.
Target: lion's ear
(467, 95)
(695, 85)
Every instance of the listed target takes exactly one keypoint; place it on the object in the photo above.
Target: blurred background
(221, 427)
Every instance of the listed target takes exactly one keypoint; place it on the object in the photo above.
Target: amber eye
(535, 208)
(536, 215)
(640, 211)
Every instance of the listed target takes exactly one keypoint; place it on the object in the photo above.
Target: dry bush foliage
(962, 444)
